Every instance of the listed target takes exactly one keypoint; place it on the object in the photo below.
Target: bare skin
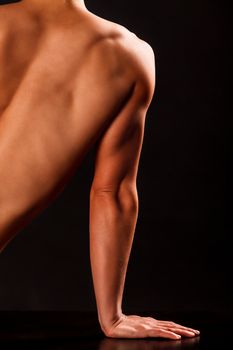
(72, 80)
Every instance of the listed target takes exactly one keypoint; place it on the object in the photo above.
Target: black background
(180, 258)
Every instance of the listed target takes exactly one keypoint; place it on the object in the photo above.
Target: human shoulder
(118, 52)
(140, 58)
(128, 49)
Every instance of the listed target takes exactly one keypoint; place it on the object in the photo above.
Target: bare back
(52, 55)
(64, 79)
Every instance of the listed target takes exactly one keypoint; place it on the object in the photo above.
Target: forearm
(112, 227)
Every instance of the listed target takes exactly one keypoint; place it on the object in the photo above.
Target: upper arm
(118, 150)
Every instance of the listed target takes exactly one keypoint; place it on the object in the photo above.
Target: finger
(195, 331)
(171, 324)
(162, 333)
(183, 332)
(176, 325)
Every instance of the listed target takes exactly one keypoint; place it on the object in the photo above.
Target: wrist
(107, 322)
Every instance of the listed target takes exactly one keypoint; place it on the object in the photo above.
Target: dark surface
(80, 330)
(181, 257)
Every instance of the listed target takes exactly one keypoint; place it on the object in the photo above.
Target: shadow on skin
(148, 344)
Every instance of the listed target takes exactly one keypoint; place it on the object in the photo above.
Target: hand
(133, 326)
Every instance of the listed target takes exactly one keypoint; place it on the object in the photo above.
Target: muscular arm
(113, 214)
(114, 198)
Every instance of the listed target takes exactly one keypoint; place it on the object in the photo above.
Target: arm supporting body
(114, 201)
(114, 207)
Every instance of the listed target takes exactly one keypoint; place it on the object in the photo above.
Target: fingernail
(197, 332)
(178, 336)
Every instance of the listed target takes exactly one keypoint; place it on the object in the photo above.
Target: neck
(48, 5)
(48, 10)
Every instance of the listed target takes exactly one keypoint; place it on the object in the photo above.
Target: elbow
(125, 196)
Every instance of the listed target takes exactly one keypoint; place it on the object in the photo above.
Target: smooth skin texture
(72, 80)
